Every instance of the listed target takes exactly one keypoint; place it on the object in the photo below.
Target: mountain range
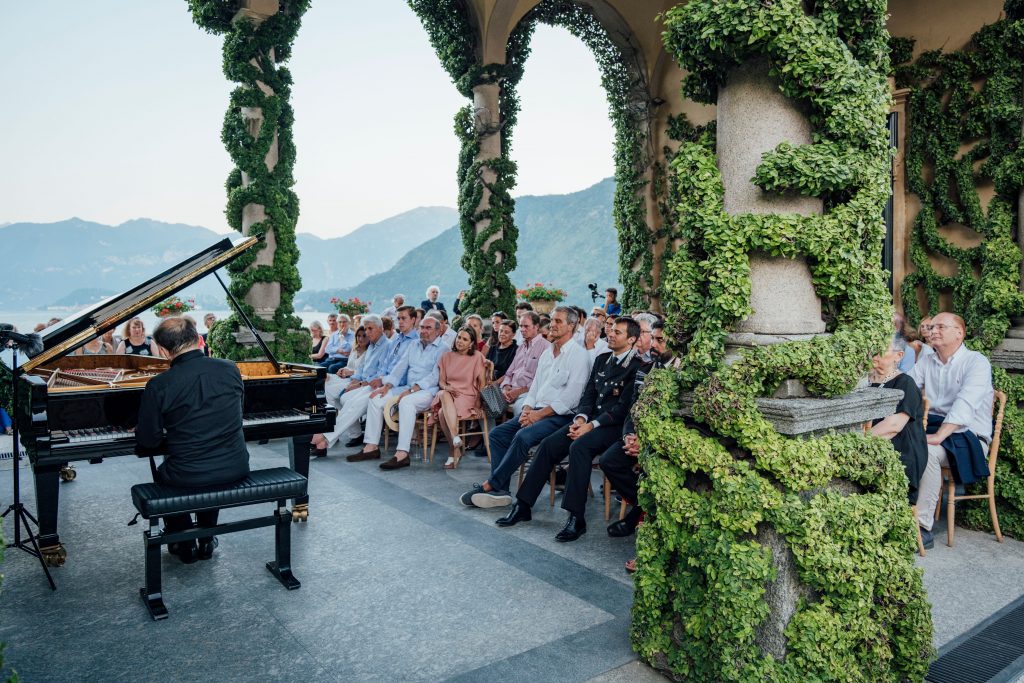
(568, 240)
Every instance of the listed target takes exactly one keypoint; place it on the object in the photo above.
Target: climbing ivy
(715, 483)
(972, 99)
(253, 53)
(488, 230)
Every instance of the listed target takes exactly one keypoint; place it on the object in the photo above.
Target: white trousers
(351, 408)
(930, 488)
(408, 408)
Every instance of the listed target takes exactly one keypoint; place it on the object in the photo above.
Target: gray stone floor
(399, 582)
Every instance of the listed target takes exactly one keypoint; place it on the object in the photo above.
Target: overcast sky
(112, 110)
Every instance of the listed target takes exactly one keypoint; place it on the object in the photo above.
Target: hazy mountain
(70, 263)
(567, 240)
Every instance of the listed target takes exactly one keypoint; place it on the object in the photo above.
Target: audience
(339, 344)
(958, 385)
(397, 301)
(136, 342)
(355, 359)
(502, 351)
(332, 338)
(901, 330)
(496, 320)
(316, 349)
(561, 373)
(94, 347)
(519, 376)
(596, 425)
(447, 334)
(461, 376)
(477, 323)
(209, 320)
(432, 302)
(410, 386)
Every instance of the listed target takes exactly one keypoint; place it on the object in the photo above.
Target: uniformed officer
(596, 425)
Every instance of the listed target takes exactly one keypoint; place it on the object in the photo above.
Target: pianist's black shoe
(206, 546)
(186, 551)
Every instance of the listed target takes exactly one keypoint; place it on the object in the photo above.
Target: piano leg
(47, 502)
(298, 460)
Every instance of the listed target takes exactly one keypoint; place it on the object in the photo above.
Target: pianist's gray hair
(372, 319)
(176, 335)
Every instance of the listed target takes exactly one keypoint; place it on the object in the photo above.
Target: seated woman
(316, 349)
(503, 352)
(136, 342)
(905, 428)
(477, 323)
(461, 376)
(94, 347)
(355, 359)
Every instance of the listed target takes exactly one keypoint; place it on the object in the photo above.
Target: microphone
(29, 344)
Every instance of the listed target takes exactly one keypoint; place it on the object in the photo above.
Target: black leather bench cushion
(158, 500)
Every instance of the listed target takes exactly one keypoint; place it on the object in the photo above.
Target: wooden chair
(998, 406)
(552, 481)
(465, 424)
(607, 489)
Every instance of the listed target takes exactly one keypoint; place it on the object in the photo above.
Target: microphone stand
(22, 516)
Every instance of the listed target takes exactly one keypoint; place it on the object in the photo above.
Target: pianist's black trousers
(174, 523)
(618, 467)
(581, 452)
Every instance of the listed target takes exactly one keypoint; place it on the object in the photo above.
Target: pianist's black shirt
(194, 410)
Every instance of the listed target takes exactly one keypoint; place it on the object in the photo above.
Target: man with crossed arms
(353, 397)
(562, 372)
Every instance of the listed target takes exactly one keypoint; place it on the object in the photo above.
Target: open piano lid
(75, 330)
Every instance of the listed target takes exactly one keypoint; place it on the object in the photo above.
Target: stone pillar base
(1009, 355)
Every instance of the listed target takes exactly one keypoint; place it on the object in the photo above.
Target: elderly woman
(136, 342)
(905, 427)
(502, 353)
(433, 301)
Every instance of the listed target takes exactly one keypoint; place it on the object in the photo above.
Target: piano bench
(155, 501)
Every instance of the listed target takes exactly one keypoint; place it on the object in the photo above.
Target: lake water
(26, 320)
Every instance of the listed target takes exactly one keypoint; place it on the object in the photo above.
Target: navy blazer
(967, 458)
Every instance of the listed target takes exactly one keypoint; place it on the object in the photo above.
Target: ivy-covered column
(779, 542)
(257, 132)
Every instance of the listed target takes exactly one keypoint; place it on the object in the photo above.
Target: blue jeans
(511, 443)
(336, 364)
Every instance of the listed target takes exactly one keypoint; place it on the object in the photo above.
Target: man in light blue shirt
(414, 381)
(352, 395)
(339, 345)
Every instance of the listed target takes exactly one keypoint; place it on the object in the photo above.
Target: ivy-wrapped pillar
(779, 543)
(257, 132)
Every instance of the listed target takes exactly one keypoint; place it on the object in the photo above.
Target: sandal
(450, 463)
(631, 566)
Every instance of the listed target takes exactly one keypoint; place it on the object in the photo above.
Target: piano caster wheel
(300, 513)
(68, 473)
(54, 555)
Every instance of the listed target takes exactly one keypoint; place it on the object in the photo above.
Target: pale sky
(112, 110)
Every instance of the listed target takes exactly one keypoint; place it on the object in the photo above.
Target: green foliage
(252, 55)
(488, 231)
(973, 98)
(715, 483)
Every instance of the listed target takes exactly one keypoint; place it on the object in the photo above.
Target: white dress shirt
(959, 390)
(448, 338)
(560, 379)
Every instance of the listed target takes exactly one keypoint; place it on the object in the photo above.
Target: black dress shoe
(206, 546)
(318, 452)
(627, 525)
(186, 552)
(573, 529)
(520, 512)
(352, 443)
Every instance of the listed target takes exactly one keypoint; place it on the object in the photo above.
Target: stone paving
(399, 582)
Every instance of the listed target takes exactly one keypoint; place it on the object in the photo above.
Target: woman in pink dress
(461, 377)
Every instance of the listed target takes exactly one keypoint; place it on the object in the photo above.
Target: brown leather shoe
(361, 456)
(394, 463)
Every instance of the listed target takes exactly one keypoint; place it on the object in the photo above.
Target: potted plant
(543, 297)
(351, 307)
(173, 305)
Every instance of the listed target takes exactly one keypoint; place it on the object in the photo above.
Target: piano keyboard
(253, 419)
(99, 434)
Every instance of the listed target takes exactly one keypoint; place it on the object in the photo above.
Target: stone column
(487, 124)
(753, 118)
(264, 297)
(1010, 353)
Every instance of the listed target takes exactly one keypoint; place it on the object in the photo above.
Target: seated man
(414, 381)
(351, 395)
(619, 462)
(519, 375)
(447, 334)
(193, 413)
(597, 424)
(339, 345)
(958, 385)
(561, 373)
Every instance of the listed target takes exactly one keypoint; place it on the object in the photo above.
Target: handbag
(493, 401)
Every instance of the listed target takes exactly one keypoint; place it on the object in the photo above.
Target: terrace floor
(399, 582)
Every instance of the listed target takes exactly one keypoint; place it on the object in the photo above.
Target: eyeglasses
(940, 327)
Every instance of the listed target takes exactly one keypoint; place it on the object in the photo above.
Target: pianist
(192, 413)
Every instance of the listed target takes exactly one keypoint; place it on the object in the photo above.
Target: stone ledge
(812, 416)
(245, 336)
(1009, 355)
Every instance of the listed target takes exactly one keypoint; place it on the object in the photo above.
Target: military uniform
(606, 400)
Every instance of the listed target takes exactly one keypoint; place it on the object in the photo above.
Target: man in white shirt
(397, 301)
(447, 335)
(958, 385)
(562, 372)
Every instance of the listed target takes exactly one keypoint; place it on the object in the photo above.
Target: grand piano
(73, 408)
